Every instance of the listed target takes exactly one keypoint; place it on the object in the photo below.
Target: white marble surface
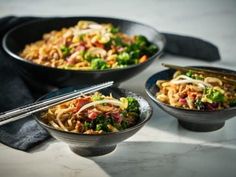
(161, 148)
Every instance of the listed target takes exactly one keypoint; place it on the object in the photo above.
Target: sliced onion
(97, 51)
(95, 26)
(182, 77)
(186, 79)
(85, 31)
(94, 103)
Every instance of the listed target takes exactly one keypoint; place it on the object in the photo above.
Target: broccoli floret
(118, 41)
(135, 54)
(98, 63)
(133, 105)
(143, 45)
(88, 125)
(88, 56)
(126, 59)
(124, 125)
(139, 45)
(65, 50)
(214, 95)
(99, 127)
(101, 123)
(114, 30)
(141, 41)
(152, 48)
(123, 58)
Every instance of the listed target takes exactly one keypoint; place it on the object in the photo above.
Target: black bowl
(195, 120)
(15, 40)
(93, 145)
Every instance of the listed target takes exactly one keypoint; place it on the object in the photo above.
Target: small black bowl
(94, 145)
(195, 120)
(15, 40)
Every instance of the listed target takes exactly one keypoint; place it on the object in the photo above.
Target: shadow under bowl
(95, 145)
(37, 75)
(195, 120)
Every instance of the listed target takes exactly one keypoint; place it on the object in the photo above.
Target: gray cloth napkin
(22, 134)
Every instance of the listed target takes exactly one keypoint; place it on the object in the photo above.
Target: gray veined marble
(161, 148)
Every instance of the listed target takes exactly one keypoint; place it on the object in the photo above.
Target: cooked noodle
(93, 114)
(89, 46)
(196, 91)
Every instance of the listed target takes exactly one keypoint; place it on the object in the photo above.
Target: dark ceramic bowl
(39, 75)
(93, 145)
(195, 120)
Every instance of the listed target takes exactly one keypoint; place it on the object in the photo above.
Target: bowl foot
(92, 151)
(200, 127)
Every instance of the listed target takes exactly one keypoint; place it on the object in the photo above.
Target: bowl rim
(183, 109)
(140, 124)
(17, 57)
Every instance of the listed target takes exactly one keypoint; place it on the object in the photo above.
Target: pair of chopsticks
(225, 76)
(24, 111)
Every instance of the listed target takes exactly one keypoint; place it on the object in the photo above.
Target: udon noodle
(93, 114)
(194, 91)
(89, 46)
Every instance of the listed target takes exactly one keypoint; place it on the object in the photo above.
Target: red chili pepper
(97, 44)
(81, 102)
(117, 117)
(92, 114)
(182, 101)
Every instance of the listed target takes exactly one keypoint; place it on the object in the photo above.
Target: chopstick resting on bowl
(226, 77)
(24, 111)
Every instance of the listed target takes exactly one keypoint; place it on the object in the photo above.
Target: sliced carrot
(111, 62)
(143, 59)
(100, 45)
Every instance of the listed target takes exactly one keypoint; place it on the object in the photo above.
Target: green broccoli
(118, 41)
(98, 63)
(114, 30)
(87, 125)
(152, 48)
(123, 58)
(65, 50)
(88, 56)
(124, 125)
(141, 41)
(101, 123)
(135, 54)
(214, 95)
(99, 127)
(133, 105)
(143, 45)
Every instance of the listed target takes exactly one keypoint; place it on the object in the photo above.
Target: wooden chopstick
(227, 77)
(29, 109)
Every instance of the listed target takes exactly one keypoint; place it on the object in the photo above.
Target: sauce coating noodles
(194, 91)
(89, 46)
(93, 114)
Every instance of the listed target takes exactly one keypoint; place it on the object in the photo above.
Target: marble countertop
(162, 147)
